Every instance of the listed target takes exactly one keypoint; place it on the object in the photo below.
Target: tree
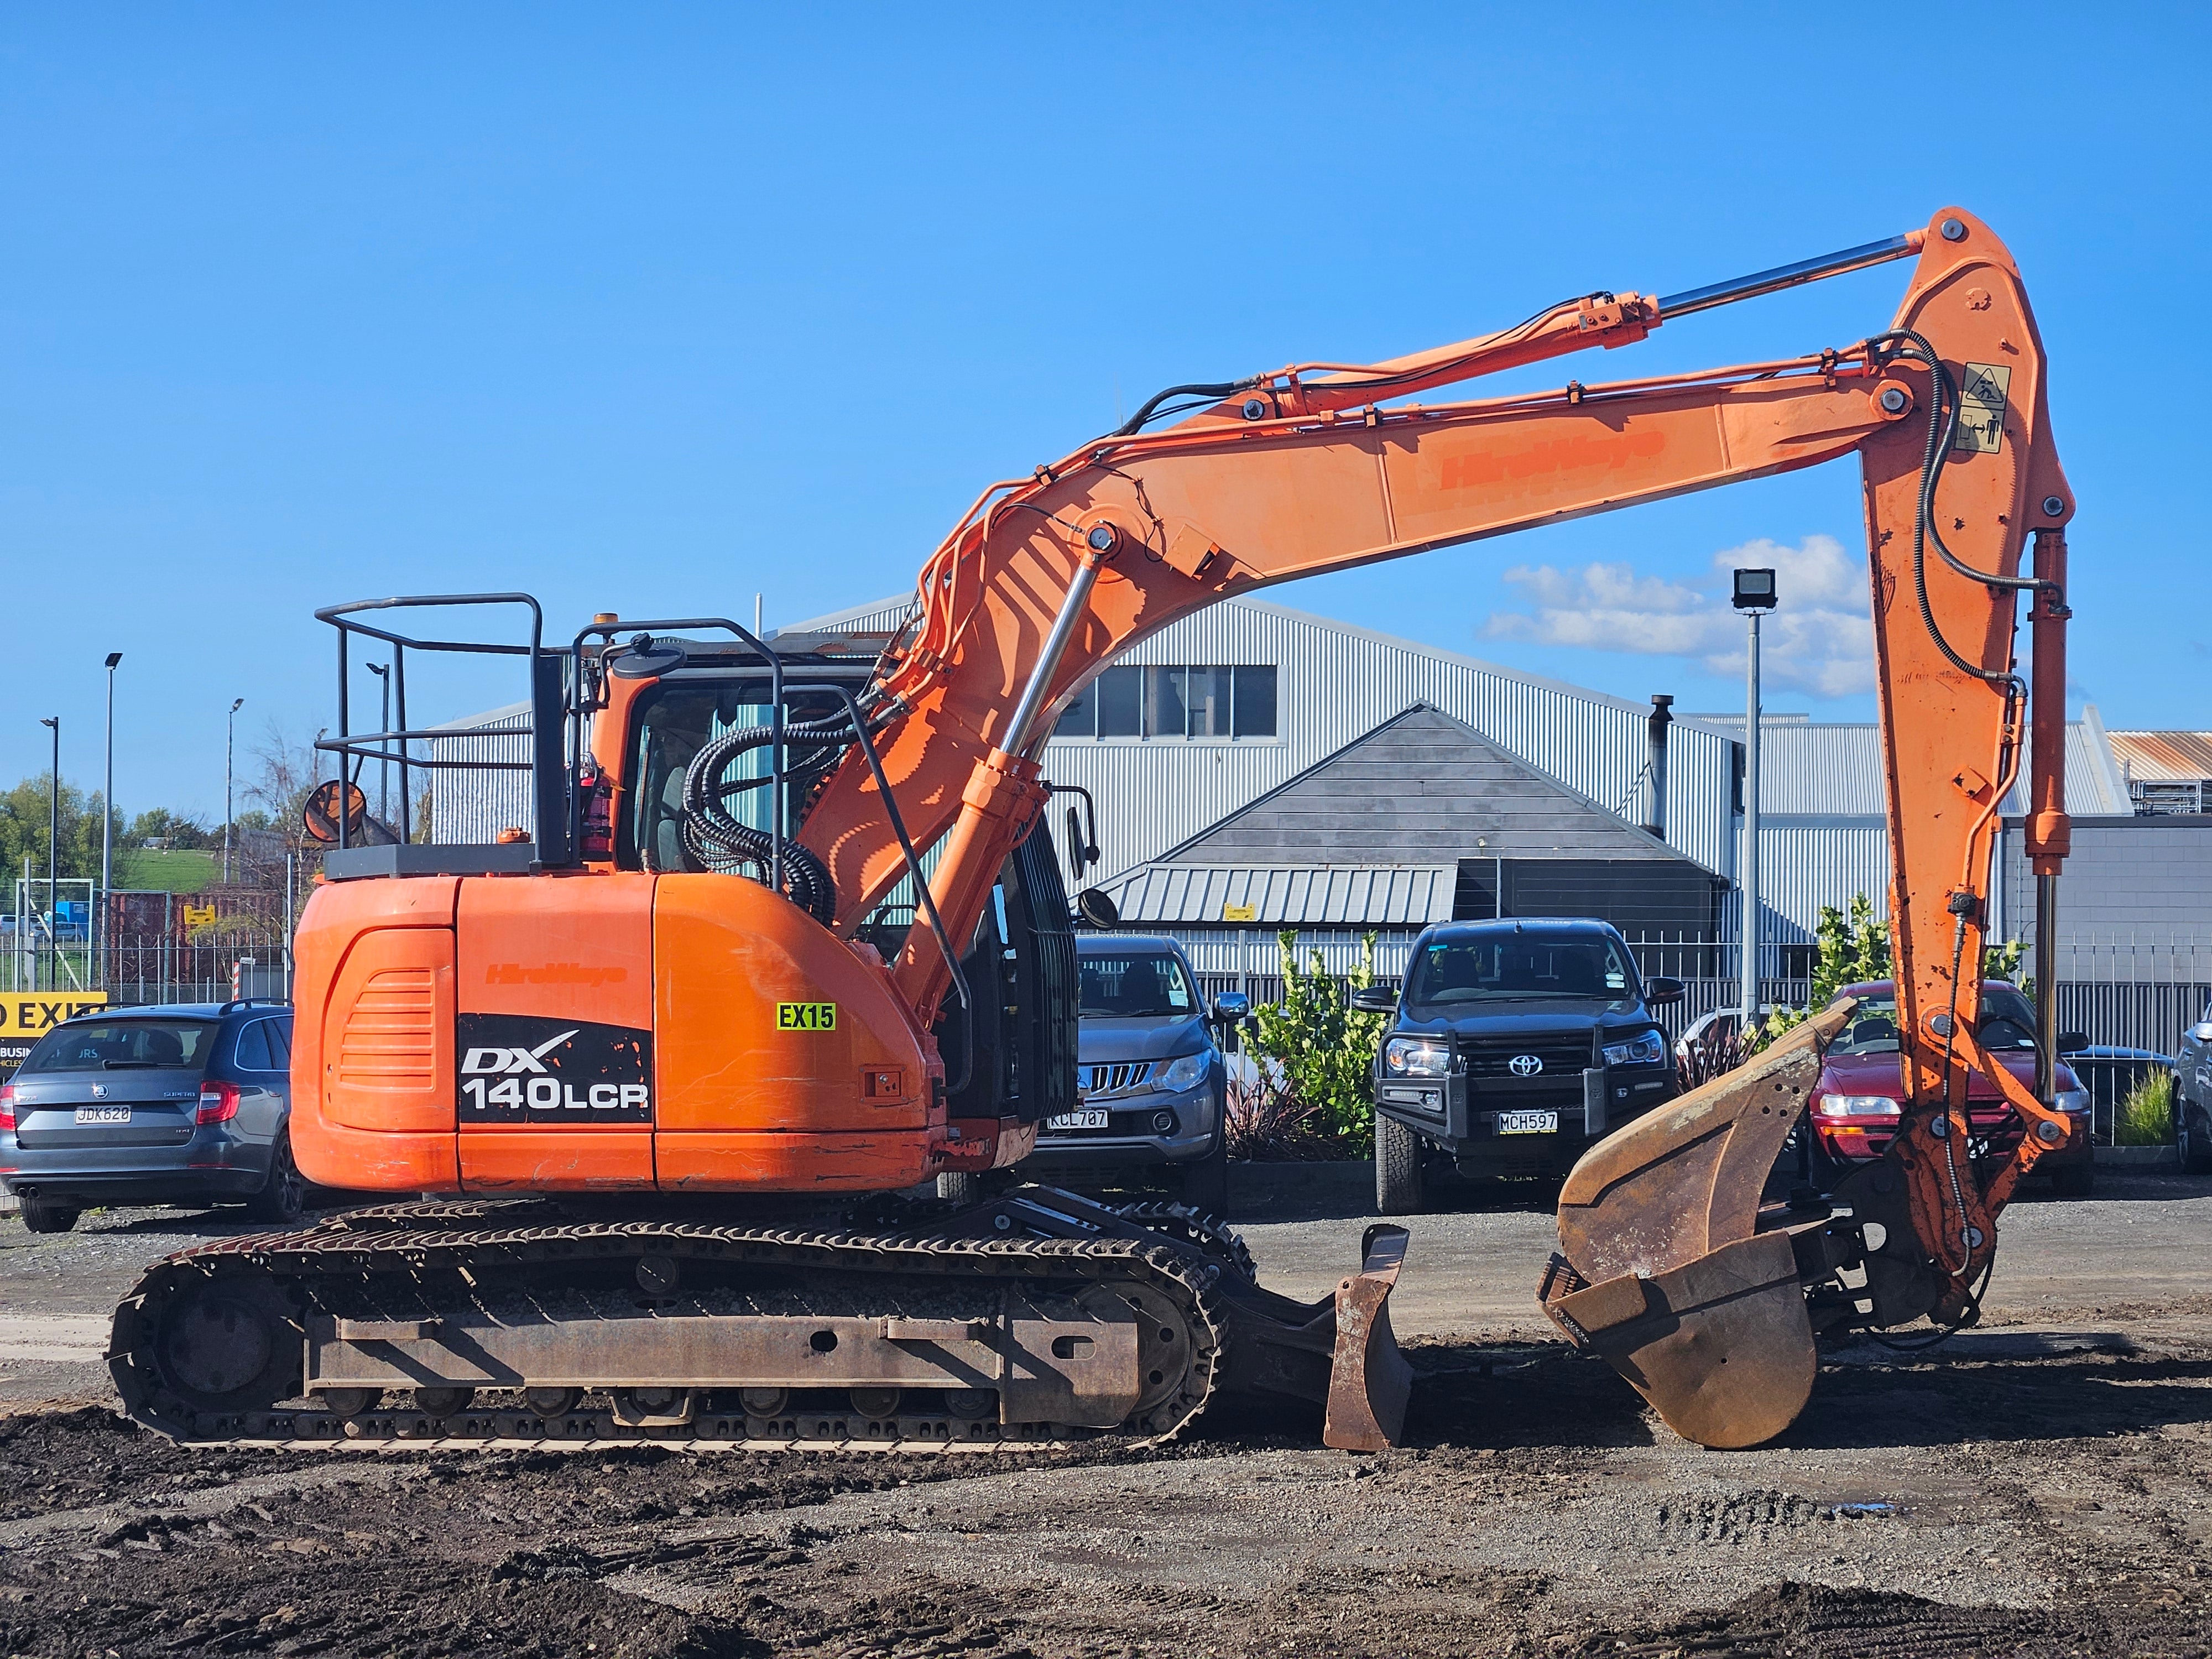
(286, 771)
(172, 830)
(23, 830)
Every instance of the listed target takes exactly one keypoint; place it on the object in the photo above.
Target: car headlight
(1645, 1050)
(1184, 1071)
(1859, 1106)
(1414, 1057)
(2073, 1100)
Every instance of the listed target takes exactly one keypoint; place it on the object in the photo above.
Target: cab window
(1520, 966)
(675, 722)
(1138, 986)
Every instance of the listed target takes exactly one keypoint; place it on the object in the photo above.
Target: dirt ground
(2037, 1487)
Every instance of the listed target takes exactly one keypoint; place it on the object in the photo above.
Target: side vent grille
(390, 1040)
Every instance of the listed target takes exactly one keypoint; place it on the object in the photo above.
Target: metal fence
(1249, 960)
(159, 968)
(2109, 1080)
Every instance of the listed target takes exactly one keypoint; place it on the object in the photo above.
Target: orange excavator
(661, 1075)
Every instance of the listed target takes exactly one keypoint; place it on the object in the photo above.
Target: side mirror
(1662, 992)
(2072, 1043)
(1232, 1006)
(1375, 1000)
(1096, 906)
(2201, 1033)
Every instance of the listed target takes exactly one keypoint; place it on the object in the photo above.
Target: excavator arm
(1320, 467)
(588, 1014)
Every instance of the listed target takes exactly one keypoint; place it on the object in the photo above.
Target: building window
(1166, 715)
(1212, 700)
(1121, 702)
(1255, 701)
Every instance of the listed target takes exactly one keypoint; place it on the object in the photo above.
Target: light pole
(383, 673)
(229, 750)
(1754, 595)
(53, 843)
(107, 824)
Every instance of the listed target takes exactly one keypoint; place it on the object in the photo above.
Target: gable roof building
(1377, 753)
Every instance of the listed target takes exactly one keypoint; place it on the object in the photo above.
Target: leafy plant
(2146, 1115)
(1317, 1052)
(1719, 1049)
(1266, 1125)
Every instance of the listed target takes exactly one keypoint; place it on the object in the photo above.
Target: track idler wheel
(1662, 1269)
(228, 1343)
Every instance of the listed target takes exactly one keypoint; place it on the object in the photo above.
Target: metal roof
(2164, 757)
(1260, 896)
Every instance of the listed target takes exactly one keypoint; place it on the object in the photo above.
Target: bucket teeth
(1368, 1379)
(1662, 1269)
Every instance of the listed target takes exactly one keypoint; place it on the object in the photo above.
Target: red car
(1855, 1105)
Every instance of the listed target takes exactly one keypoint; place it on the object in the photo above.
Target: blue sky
(649, 308)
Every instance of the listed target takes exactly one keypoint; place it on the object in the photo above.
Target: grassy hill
(180, 872)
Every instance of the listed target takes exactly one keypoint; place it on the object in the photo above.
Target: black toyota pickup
(1515, 1045)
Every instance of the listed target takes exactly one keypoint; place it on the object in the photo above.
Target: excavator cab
(676, 1115)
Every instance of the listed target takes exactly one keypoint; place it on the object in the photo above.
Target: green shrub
(1317, 1052)
(2146, 1116)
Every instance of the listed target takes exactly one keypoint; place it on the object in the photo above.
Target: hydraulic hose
(1943, 424)
(1135, 423)
(713, 836)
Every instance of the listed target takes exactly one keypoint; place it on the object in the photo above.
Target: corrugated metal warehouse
(1257, 768)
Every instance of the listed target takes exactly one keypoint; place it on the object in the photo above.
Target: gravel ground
(2037, 1487)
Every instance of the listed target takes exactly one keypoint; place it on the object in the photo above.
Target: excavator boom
(685, 989)
(1049, 579)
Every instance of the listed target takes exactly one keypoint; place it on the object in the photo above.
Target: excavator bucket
(1369, 1380)
(1663, 1267)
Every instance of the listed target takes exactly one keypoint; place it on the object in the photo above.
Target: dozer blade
(1662, 1269)
(1369, 1380)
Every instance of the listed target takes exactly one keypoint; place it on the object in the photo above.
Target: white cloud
(1820, 639)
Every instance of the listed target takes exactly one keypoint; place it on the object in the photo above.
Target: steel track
(418, 1242)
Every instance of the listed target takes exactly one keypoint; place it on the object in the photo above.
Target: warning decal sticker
(555, 1073)
(1982, 397)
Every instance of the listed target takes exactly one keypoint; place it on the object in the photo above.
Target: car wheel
(1398, 1184)
(2195, 1134)
(2073, 1180)
(1206, 1182)
(960, 1186)
(285, 1195)
(43, 1215)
